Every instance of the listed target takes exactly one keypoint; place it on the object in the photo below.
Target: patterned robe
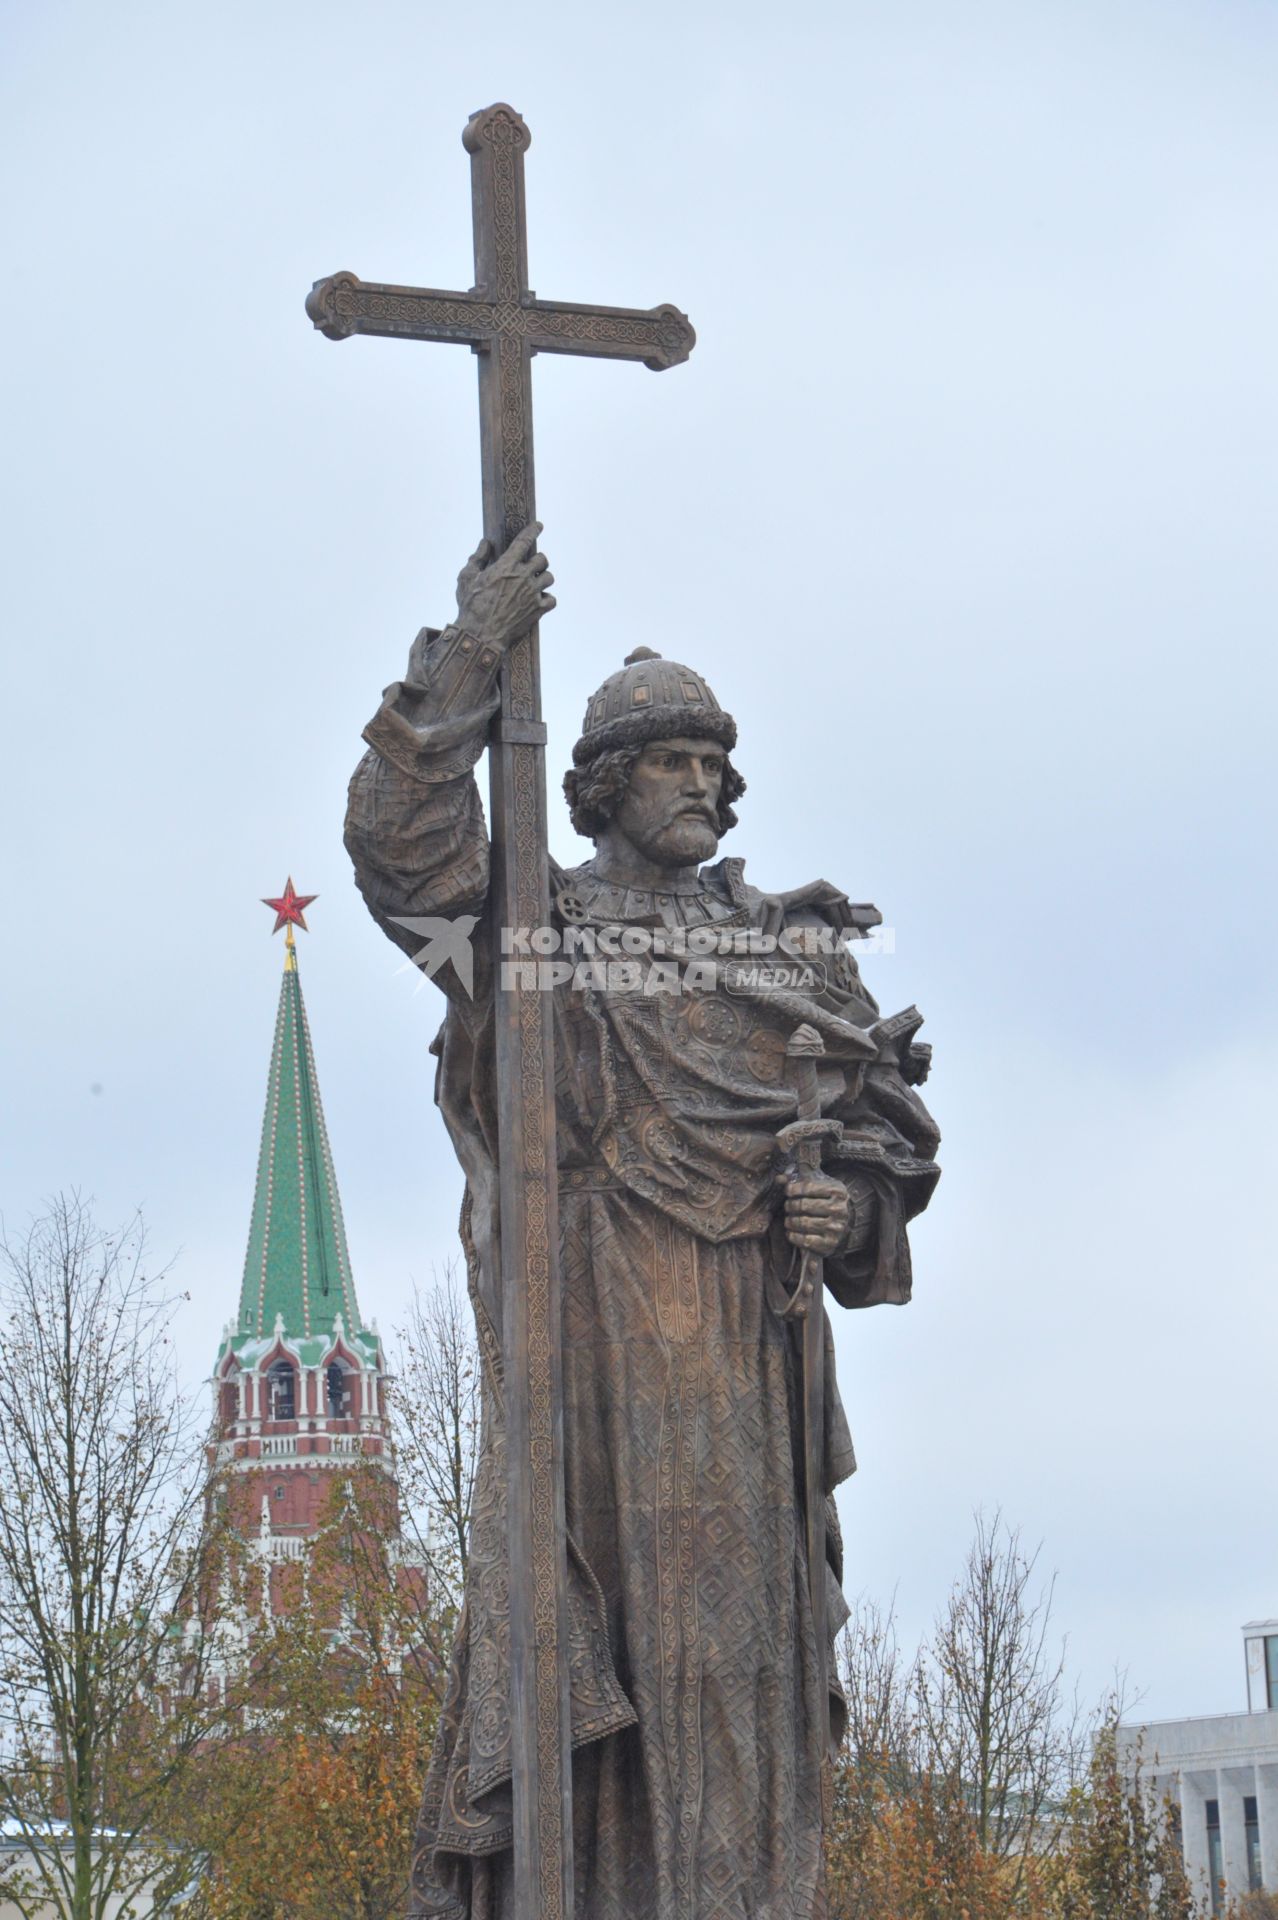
(696, 1779)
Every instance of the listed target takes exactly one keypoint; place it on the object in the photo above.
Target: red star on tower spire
(288, 909)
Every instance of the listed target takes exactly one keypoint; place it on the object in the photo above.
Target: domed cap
(651, 699)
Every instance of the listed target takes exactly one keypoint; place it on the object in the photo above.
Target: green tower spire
(297, 1269)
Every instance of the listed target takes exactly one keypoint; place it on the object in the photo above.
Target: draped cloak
(696, 1781)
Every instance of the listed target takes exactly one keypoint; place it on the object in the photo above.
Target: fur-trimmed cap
(651, 699)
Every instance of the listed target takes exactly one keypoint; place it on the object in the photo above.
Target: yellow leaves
(904, 1846)
(909, 1849)
(312, 1811)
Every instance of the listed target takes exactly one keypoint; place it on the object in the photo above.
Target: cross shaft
(506, 325)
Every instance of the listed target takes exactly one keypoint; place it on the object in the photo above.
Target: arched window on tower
(339, 1397)
(229, 1401)
(281, 1392)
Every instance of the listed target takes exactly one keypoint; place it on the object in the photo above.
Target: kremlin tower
(299, 1384)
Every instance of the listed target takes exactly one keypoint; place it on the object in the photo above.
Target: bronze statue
(736, 1129)
(679, 1118)
(504, 322)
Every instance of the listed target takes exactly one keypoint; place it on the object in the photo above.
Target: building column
(1235, 1783)
(1267, 1808)
(1196, 1789)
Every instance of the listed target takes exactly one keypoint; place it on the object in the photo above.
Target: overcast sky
(965, 506)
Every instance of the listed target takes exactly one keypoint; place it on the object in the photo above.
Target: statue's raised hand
(498, 600)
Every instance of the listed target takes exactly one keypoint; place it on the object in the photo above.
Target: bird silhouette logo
(445, 940)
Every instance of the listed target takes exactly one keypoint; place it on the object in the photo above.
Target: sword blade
(804, 1050)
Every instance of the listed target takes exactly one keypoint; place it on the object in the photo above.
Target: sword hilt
(798, 1145)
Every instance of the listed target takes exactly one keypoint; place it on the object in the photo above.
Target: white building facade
(1220, 1774)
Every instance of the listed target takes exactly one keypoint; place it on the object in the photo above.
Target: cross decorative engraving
(506, 325)
(500, 305)
(344, 304)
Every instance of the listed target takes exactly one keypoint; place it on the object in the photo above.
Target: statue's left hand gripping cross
(506, 324)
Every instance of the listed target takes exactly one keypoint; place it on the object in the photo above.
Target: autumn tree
(877, 1766)
(991, 1694)
(902, 1839)
(1122, 1858)
(434, 1403)
(305, 1807)
(970, 1788)
(101, 1494)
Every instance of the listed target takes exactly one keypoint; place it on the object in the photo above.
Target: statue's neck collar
(713, 894)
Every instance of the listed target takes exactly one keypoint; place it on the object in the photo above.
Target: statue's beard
(684, 841)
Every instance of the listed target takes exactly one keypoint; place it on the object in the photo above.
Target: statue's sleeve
(414, 821)
(887, 1159)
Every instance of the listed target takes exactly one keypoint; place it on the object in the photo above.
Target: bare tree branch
(101, 1492)
(435, 1411)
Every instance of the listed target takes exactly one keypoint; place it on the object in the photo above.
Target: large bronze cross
(505, 324)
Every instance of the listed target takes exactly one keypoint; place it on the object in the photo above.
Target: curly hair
(595, 791)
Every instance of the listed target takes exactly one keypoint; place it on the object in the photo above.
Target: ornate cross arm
(344, 304)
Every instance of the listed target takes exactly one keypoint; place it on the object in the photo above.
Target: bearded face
(670, 809)
(596, 791)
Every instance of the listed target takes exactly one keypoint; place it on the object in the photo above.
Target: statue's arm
(414, 821)
(887, 1162)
